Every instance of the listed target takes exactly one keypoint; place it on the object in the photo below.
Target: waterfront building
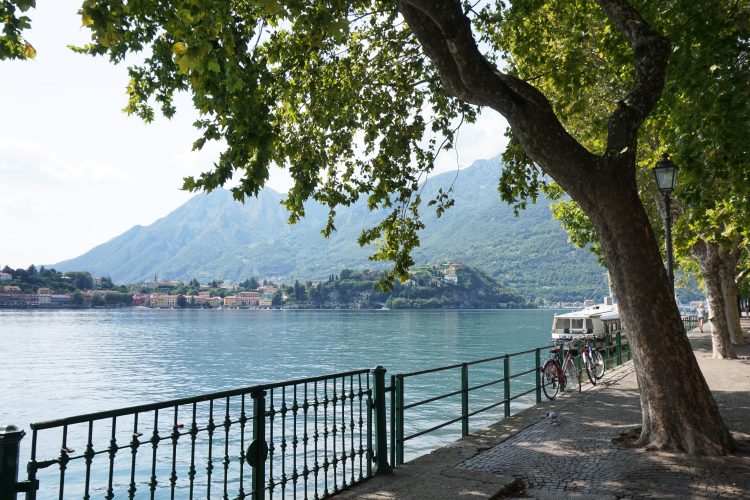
(163, 301)
(230, 301)
(140, 299)
(266, 300)
(12, 289)
(248, 299)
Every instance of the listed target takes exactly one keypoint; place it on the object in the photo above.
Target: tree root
(635, 438)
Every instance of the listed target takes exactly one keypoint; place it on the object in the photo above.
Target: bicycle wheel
(598, 361)
(589, 364)
(572, 375)
(551, 379)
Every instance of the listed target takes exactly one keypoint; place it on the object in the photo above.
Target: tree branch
(651, 55)
(444, 31)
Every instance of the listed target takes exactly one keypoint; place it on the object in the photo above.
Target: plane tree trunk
(675, 416)
(728, 272)
(678, 410)
(708, 256)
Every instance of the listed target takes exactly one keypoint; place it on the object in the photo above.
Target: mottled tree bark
(707, 255)
(679, 412)
(728, 272)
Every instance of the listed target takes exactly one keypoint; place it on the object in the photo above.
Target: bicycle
(591, 359)
(555, 376)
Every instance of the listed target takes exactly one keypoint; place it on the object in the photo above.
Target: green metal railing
(304, 438)
(690, 322)
(509, 378)
(309, 437)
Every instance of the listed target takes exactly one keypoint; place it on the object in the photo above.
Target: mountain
(214, 237)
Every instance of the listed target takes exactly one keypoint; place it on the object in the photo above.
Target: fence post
(393, 420)
(538, 361)
(10, 440)
(506, 384)
(257, 452)
(618, 341)
(399, 419)
(464, 399)
(381, 437)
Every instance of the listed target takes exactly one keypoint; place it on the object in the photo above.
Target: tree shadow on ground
(575, 453)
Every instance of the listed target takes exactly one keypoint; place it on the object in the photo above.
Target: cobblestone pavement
(573, 454)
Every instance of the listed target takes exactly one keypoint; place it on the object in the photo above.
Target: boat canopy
(569, 325)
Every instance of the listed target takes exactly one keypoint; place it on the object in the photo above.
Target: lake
(62, 363)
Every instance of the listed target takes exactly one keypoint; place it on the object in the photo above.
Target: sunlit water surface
(56, 364)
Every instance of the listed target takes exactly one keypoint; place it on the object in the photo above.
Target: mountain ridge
(211, 236)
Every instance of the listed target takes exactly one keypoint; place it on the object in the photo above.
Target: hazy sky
(75, 171)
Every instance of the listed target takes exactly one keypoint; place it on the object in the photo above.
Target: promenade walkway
(572, 455)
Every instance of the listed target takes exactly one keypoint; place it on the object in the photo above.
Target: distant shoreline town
(435, 286)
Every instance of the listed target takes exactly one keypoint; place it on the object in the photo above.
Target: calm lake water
(55, 364)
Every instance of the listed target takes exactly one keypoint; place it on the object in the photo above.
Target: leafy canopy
(585, 69)
(339, 92)
(13, 22)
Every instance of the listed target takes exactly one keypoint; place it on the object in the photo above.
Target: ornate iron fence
(690, 322)
(310, 437)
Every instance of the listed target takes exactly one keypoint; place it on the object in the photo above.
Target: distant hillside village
(447, 285)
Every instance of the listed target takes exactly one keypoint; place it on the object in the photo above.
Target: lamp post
(666, 178)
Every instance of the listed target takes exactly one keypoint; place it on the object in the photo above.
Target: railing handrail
(473, 362)
(119, 412)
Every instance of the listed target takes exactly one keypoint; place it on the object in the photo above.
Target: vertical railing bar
(393, 420)
(361, 422)
(154, 446)
(305, 440)
(295, 441)
(316, 435)
(369, 427)
(63, 460)
(271, 446)
(334, 428)
(464, 399)
(227, 424)
(175, 436)
(210, 465)
(134, 444)
(351, 428)
(343, 431)
(538, 362)
(283, 443)
(31, 495)
(193, 436)
(89, 457)
(243, 421)
(325, 437)
(506, 384)
(400, 420)
(258, 447)
(112, 452)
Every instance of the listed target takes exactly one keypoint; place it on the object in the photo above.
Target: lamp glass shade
(666, 175)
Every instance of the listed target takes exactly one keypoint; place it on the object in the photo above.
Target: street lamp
(666, 178)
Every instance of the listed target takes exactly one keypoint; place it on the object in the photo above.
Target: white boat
(596, 320)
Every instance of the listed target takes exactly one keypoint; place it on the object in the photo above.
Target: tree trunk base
(691, 443)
